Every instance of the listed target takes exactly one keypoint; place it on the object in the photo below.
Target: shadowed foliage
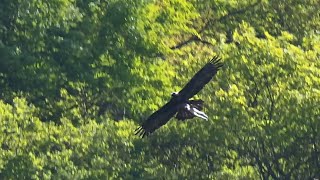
(78, 77)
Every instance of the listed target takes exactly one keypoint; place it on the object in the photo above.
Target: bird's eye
(174, 94)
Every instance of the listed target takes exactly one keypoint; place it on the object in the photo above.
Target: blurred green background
(77, 77)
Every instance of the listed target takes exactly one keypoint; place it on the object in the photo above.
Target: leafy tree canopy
(77, 77)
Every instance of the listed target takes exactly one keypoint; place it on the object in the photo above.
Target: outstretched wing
(201, 78)
(157, 119)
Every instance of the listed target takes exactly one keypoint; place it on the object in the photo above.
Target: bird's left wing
(157, 119)
(201, 78)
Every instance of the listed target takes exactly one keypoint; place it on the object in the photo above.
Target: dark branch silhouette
(209, 23)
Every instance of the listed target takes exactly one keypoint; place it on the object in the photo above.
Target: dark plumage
(179, 104)
(184, 113)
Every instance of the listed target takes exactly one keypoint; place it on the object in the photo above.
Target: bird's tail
(199, 113)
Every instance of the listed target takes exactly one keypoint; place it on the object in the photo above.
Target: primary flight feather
(180, 104)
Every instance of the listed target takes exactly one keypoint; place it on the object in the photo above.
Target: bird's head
(174, 94)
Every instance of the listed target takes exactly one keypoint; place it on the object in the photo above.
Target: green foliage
(272, 103)
(76, 78)
(160, 22)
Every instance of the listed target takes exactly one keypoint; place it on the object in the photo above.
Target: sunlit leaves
(161, 23)
(276, 87)
(87, 72)
(33, 149)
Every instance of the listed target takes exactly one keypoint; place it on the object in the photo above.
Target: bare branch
(191, 39)
(210, 22)
(270, 97)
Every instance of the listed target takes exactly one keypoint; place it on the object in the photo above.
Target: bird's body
(179, 104)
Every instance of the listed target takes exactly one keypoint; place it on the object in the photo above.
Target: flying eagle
(180, 104)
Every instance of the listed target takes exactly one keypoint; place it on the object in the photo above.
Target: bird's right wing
(157, 119)
(201, 78)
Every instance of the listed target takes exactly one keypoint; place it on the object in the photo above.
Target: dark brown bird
(180, 104)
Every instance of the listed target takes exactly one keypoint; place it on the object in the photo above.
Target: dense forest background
(77, 77)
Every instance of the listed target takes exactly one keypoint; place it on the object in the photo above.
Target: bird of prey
(180, 104)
